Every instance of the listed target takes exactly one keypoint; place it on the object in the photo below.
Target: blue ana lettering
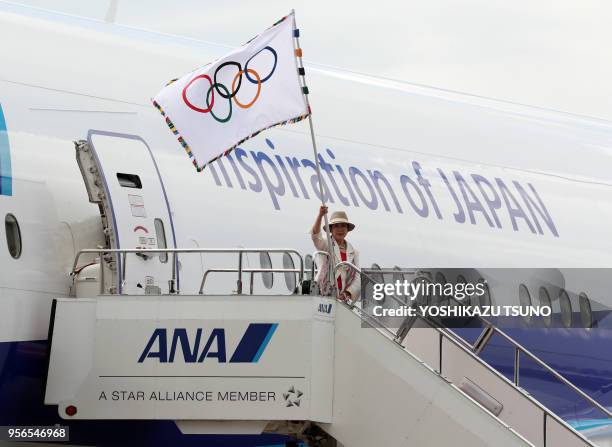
(157, 346)
(249, 349)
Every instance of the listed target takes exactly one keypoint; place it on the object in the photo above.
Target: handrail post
(123, 268)
(201, 292)
(101, 273)
(251, 282)
(483, 339)
(312, 271)
(172, 288)
(517, 365)
(301, 270)
(239, 282)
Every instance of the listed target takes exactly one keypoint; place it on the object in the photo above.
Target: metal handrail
(481, 342)
(358, 270)
(461, 344)
(312, 267)
(251, 271)
(490, 330)
(174, 251)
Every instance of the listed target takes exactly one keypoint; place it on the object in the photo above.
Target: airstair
(147, 335)
(283, 363)
(457, 362)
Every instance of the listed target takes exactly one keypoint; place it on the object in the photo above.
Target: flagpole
(298, 55)
(331, 275)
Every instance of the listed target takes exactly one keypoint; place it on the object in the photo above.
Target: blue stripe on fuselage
(6, 177)
(23, 365)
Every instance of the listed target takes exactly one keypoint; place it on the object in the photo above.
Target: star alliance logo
(293, 397)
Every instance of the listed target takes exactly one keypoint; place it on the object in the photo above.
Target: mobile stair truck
(131, 344)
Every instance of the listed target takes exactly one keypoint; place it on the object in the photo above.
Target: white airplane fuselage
(430, 178)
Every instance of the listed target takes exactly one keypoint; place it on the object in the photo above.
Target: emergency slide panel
(182, 357)
(137, 209)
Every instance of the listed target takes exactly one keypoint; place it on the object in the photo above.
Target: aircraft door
(121, 175)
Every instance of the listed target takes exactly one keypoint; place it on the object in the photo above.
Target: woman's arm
(317, 225)
(319, 242)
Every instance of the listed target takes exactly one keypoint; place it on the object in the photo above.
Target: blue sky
(552, 54)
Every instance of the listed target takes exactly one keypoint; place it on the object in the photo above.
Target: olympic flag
(218, 106)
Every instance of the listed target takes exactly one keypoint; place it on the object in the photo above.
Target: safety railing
(251, 273)
(313, 268)
(314, 257)
(123, 252)
(472, 349)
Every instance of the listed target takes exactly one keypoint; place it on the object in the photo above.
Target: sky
(551, 54)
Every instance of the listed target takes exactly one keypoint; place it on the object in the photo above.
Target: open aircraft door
(122, 177)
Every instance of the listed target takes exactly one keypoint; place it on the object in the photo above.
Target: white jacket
(345, 273)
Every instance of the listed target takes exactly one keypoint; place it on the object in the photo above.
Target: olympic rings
(259, 81)
(210, 90)
(246, 66)
(225, 64)
(189, 104)
(251, 75)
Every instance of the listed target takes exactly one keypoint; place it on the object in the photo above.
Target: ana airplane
(433, 179)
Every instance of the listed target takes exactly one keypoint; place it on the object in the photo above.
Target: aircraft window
(441, 279)
(160, 234)
(424, 298)
(13, 235)
(586, 313)
(431, 298)
(289, 276)
(461, 280)
(545, 301)
(397, 276)
(485, 298)
(566, 308)
(421, 273)
(525, 300)
(371, 278)
(266, 263)
(308, 266)
(129, 180)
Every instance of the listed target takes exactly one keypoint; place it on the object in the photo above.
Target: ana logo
(197, 349)
(325, 308)
(6, 178)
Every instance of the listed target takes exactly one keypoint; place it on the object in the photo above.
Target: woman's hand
(316, 228)
(345, 296)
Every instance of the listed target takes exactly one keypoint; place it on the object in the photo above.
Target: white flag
(215, 108)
